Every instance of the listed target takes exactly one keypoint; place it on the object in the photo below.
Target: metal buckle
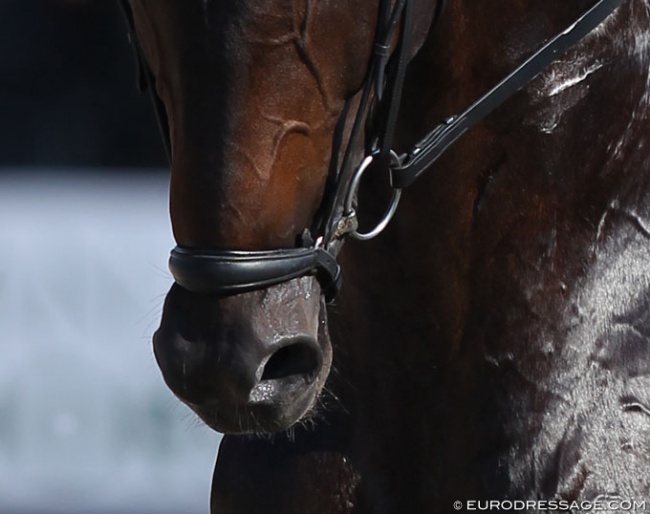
(349, 212)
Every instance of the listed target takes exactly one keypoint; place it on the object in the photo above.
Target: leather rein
(226, 272)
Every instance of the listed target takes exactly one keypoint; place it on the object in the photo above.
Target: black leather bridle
(225, 272)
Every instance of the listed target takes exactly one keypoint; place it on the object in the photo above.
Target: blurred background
(86, 423)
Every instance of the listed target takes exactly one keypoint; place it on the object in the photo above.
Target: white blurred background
(86, 423)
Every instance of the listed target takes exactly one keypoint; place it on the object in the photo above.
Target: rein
(413, 163)
(225, 272)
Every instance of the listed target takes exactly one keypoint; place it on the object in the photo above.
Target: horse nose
(250, 372)
(250, 362)
(291, 367)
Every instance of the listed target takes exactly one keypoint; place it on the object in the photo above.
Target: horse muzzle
(249, 362)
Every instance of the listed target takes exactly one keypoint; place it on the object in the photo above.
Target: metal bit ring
(352, 193)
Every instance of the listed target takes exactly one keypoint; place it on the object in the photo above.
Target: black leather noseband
(226, 272)
(231, 272)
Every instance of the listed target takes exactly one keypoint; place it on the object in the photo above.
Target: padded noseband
(227, 272)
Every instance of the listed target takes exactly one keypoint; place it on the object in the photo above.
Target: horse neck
(569, 141)
(488, 249)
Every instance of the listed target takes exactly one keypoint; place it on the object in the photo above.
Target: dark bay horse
(494, 342)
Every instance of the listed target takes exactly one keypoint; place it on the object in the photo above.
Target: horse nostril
(295, 360)
(288, 372)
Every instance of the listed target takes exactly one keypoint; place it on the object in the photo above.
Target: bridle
(225, 272)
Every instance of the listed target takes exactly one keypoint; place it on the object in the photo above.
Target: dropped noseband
(227, 272)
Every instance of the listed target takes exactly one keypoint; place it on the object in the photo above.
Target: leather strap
(432, 146)
(146, 80)
(228, 272)
(378, 107)
(387, 130)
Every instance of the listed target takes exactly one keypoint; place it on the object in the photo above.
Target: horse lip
(264, 417)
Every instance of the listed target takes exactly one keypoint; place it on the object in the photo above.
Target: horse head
(256, 97)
